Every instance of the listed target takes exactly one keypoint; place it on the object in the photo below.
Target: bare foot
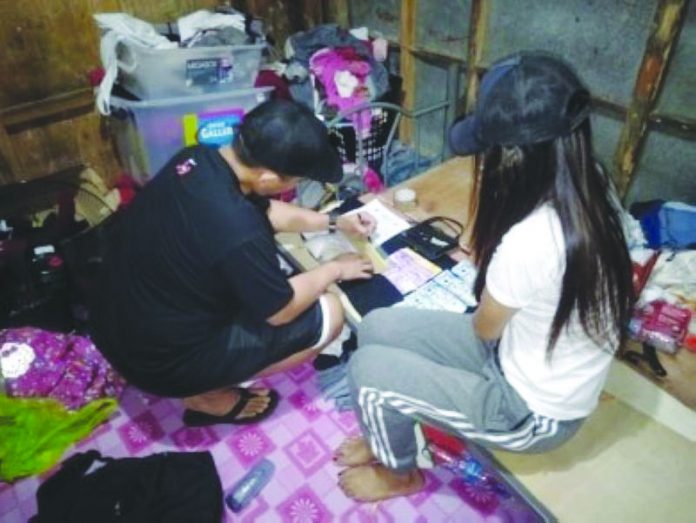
(352, 452)
(376, 482)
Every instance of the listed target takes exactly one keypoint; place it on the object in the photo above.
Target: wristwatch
(333, 218)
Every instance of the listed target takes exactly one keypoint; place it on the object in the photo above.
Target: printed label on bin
(215, 128)
(209, 71)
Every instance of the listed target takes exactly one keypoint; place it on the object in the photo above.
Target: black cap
(288, 139)
(526, 98)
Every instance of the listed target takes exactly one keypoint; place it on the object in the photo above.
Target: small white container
(405, 199)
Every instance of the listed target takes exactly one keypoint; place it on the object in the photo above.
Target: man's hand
(353, 267)
(359, 224)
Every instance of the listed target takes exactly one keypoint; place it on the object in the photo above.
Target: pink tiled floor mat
(299, 439)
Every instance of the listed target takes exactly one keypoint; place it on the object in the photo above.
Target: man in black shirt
(192, 298)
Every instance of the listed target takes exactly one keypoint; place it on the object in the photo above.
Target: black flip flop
(193, 418)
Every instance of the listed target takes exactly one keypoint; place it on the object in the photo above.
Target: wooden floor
(680, 381)
(622, 466)
(444, 190)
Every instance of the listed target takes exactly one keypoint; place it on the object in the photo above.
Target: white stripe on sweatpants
(371, 400)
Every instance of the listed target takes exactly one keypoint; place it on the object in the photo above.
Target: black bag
(172, 487)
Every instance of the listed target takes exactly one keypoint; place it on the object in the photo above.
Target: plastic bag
(660, 324)
(34, 433)
(667, 223)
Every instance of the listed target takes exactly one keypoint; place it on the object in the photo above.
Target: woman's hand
(491, 317)
(359, 224)
(353, 267)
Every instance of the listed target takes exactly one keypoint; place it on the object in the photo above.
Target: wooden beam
(669, 17)
(338, 11)
(684, 128)
(407, 64)
(680, 127)
(13, 166)
(478, 23)
(434, 55)
(453, 72)
(296, 15)
(49, 110)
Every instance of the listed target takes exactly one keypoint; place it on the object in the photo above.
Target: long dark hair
(514, 181)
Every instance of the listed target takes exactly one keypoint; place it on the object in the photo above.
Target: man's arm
(491, 317)
(285, 217)
(309, 286)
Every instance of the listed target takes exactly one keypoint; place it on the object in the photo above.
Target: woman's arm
(491, 317)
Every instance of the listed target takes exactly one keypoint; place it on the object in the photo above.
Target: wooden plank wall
(47, 117)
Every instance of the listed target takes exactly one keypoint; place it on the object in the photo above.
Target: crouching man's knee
(333, 319)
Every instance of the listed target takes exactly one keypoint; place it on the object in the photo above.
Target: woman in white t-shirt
(554, 285)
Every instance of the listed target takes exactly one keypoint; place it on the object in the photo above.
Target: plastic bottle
(469, 469)
(247, 488)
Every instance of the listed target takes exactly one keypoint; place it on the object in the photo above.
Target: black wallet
(433, 237)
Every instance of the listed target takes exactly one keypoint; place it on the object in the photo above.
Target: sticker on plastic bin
(211, 128)
(209, 71)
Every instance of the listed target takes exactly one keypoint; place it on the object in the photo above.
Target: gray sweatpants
(416, 366)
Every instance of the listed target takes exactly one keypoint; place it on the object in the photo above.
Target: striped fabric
(373, 401)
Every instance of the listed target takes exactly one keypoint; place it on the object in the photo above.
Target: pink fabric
(325, 63)
(372, 181)
(66, 367)
(287, 196)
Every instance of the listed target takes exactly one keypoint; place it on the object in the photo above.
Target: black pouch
(434, 237)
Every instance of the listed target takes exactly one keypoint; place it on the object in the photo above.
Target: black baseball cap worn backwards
(287, 138)
(527, 98)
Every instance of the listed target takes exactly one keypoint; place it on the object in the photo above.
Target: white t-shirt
(526, 273)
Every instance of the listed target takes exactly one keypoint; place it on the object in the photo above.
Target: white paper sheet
(389, 224)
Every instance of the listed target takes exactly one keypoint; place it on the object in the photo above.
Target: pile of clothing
(56, 388)
(331, 69)
(202, 28)
(665, 276)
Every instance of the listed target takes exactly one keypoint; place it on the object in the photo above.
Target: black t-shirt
(185, 259)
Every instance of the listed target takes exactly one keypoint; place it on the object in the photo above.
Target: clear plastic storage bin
(149, 132)
(164, 73)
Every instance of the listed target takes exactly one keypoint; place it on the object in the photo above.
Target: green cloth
(34, 433)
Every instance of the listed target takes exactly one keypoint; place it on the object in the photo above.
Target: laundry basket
(355, 146)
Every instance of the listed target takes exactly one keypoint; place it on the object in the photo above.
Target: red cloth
(268, 78)
(453, 445)
(127, 189)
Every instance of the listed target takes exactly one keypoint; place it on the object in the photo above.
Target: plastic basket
(149, 132)
(345, 138)
(164, 73)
